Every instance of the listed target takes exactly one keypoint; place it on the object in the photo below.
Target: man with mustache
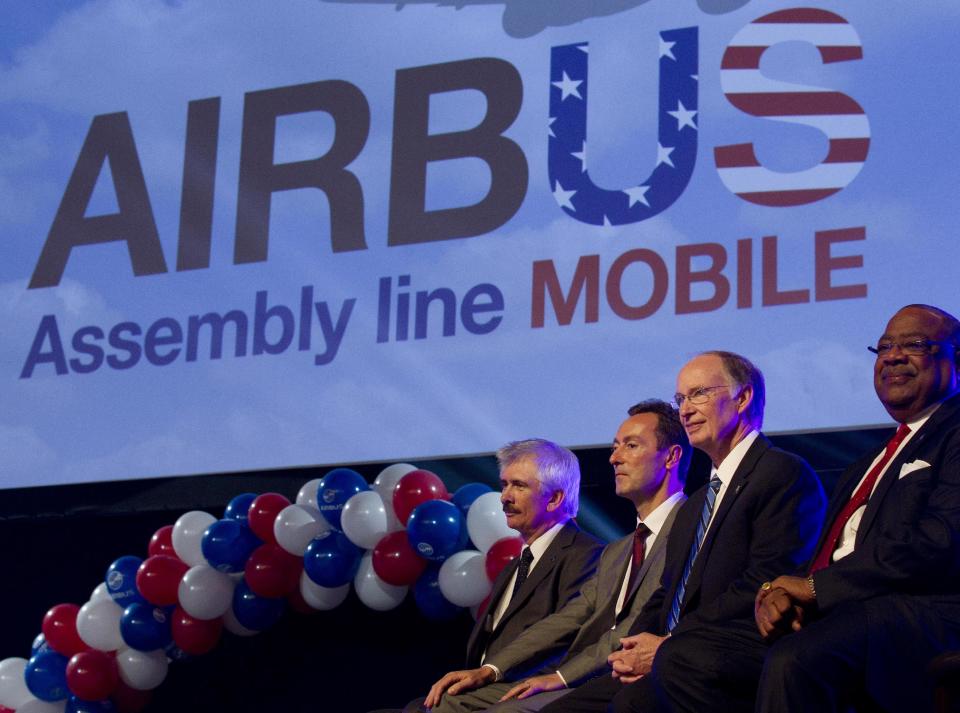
(650, 458)
(881, 596)
(540, 488)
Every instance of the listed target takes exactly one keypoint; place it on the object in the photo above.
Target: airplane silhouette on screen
(525, 18)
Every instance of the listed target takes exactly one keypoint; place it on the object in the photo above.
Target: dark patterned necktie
(526, 559)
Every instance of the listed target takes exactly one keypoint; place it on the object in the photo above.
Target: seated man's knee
(786, 655)
(673, 659)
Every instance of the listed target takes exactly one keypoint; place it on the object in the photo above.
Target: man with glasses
(695, 646)
(881, 595)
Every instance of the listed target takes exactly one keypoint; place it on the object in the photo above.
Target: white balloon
(373, 591)
(35, 705)
(100, 592)
(308, 493)
(231, 624)
(364, 519)
(188, 532)
(204, 593)
(486, 522)
(13, 689)
(296, 525)
(322, 598)
(463, 578)
(142, 670)
(384, 485)
(98, 624)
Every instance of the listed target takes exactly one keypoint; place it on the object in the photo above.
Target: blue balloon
(39, 644)
(436, 530)
(466, 494)
(175, 653)
(337, 487)
(255, 612)
(331, 560)
(238, 508)
(145, 627)
(46, 676)
(430, 600)
(228, 544)
(78, 705)
(121, 580)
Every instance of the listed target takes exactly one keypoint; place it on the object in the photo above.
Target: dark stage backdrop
(58, 541)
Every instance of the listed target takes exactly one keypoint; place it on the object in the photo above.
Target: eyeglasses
(697, 396)
(915, 347)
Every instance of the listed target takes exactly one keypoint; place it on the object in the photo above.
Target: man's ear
(555, 501)
(745, 398)
(674, 454)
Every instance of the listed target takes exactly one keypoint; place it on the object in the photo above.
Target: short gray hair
(557, 468)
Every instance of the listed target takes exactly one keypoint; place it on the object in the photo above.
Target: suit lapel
(484, 624)
(737, 483)
(542, 569)
(657, 552)
(946, 411)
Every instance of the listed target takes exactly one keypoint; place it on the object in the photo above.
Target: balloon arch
(203, 575)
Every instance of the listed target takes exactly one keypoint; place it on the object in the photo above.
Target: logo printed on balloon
(425, 549)
(114, 580)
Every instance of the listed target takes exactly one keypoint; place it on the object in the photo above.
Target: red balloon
(60, 629)
(502, 553)
(297, 603)
(162, 542)
(158, 579)
(263, 511)
(92, 675)
(195, 636)
(272, 572)
(482, 607)
(414, 488)
(4, 709)
(130, 700)
(395, 561)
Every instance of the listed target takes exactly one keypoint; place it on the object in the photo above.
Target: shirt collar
(655, 519)
(921, 418)
(728, 466)
(540, 545)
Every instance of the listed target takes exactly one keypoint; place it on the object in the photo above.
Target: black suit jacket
(908, 541)
(556, 579)
(766, 524)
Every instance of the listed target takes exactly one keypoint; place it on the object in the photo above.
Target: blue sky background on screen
(61, 64)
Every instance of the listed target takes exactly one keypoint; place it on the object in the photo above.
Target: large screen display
(254, 235)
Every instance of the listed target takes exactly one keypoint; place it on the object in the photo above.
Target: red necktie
(639, 552)
(858, 500)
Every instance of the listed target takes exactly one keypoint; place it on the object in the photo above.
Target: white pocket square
(908, 468)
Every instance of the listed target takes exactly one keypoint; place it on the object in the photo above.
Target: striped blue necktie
(694, 548)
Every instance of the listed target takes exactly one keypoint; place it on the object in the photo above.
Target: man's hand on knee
(459, 681)
(535, 685)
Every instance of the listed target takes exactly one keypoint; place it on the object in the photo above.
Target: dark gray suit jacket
(556, 579)
(587, 624)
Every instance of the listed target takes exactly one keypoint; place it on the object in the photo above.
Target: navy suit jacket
(766, 524)
(908, 541)
(556, 579)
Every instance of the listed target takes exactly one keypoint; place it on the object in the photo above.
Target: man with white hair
(540, 486)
